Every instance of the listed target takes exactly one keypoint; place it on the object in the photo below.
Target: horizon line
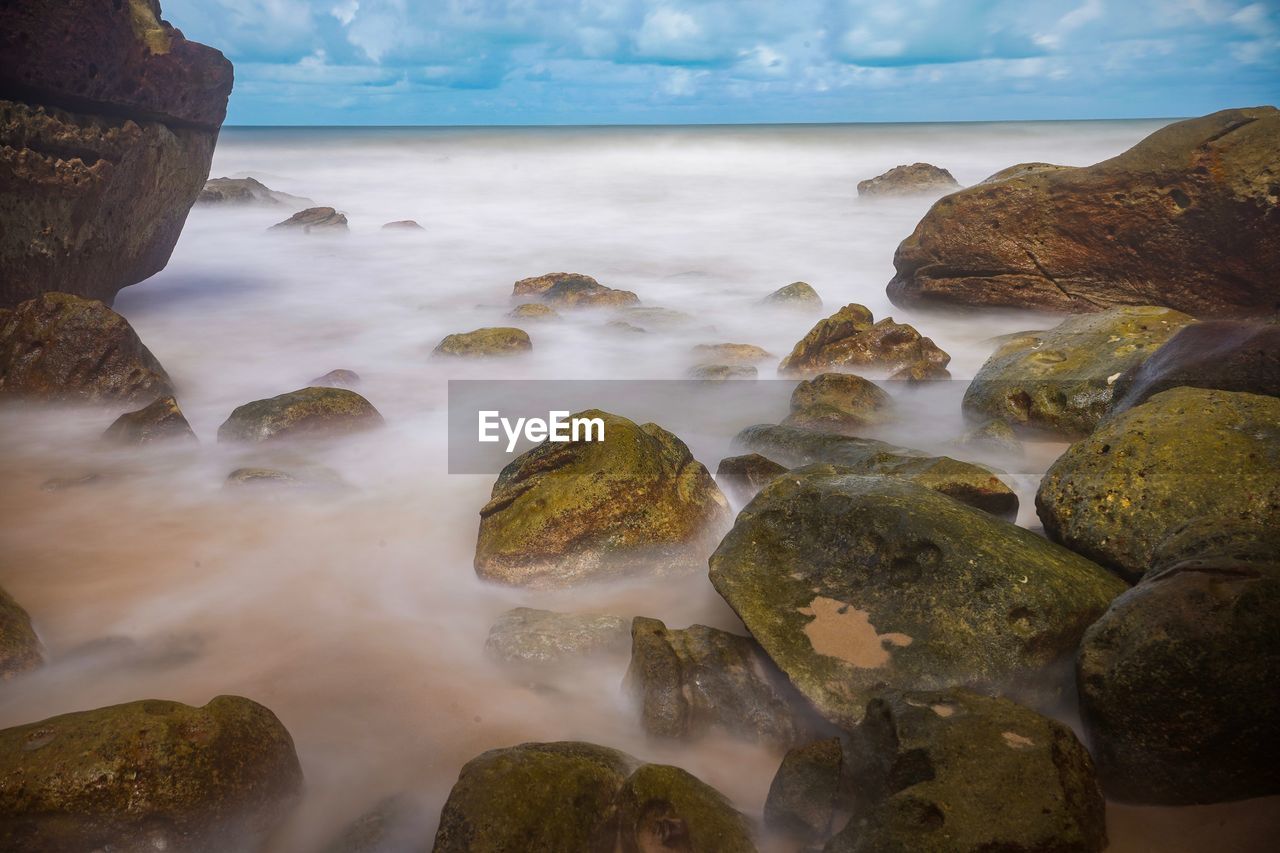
(598, 125)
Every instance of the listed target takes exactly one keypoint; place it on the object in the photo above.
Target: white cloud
(345, 11)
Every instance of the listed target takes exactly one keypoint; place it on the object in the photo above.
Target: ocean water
(355, 614)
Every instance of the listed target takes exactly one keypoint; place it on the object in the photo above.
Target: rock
(485, 343)
(539, 285)
(394, 825)
(798, 294)
(313, 219)
(339, 378)
(1062, 382)
(968, 483)
(621, 326)
(20, 649)
(534, 311)
(59, 347)
(853, 583)
(849, 338)
(107, 127)
(160, 421)
(691, 681)
(730, 354)
(573, 290)
(568, 797)
(149, 775)
(533, 638)
(744, 476)
(1185, 219)
(563, 512)
(993, 437)
(916, 179)
(951, 770)
(921, 371)
(307, 476)
(1185, 453)
(246, 191)
(1175, 680)
(720, 372)
(1229, 355)
(306, 413)
(808, 792)
(403, 225)
(1208, 539)
(654, 317)
(839, 403)
(1021, 170)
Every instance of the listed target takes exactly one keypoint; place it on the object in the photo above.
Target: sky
(536, 62)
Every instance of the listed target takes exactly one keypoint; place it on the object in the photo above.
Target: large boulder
(851, 338)
(852, 583)
(567, 511)
(60, 347)
(965, 481)
(1185, 218)
(306, 413)
(20, 648)
(148, 775)
(1062, 381)
(915, 179)
(485, 343)
(162, 421)
(838, 402)
(107, 128)
(1230, 355)
(1185, 453)
(571, 797)
(527, 638)
(688, 682)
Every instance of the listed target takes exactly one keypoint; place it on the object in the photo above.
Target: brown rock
(838, 402)
(916, 179)
(308, 412)
(313, 219)
(403, 225)
(797, 294)
(160, 421)
(339, 378)
(245, 191)
(730, 353)
(572, 290)
(744, 476)
(1022, 170)
(539, 285)
(19, 647)
(850, 338)
(721, 372)
(485, 343)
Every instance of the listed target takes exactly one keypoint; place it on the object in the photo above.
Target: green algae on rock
(851, 338)
(306, 413)
(485, 343)
(533, 311)
(797, 294)
(147, 775)
(20, 649)
(636, 501)
(160, 421)
(854, 583)
(665, 808)
(838, 402)
(744, 476)
(1062, 381)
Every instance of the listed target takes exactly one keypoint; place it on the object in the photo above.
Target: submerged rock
(798, 294)
(534, 311)
(394, 825)
(485, 343)
(916, 179)
(245, 191)
(339, 378)
(744, 476)
(690, 681)
(306, 413)
(1185, 218)
(107, 126)
(532, 638)
(838, 402)
(20, 649)
(654, 317)
(1186, 453)
(573, 290)
(539, 285)
(60, 347)
(563, 512)
(965, 481)
(313, 219)
(149, 775)
(850, 338)
(1062, 382)
(720, 372)
(992, 437)
(403, 225)
(853, 583)
(730, 353)
(302, 476)
(160, 421)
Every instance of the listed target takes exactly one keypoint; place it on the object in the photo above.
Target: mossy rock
(853, 583)
(148, 775)
(744, 476)
(838, 402)
(485, 343)
(307, 413)
(851, 338)
(525, 637)
(965, 481)
(20, 649)
(807, 792)
(797, 294)
(1062, 382)
(161, 421)
(665, 808)
(730, 354)
(1184, 454)
(59, 347)
(992, 438)
(722, 372)
(586, 292)
(563, 512)
(534, 311)
(656, 318)
(536, 286)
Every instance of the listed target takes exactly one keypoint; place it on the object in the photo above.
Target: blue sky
(452, 62)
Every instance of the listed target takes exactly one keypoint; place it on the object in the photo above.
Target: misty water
(354, 613)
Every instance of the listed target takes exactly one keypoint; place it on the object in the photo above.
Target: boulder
(107, 127)
(313, 219)
(1185, 453)
(972, 484)
(839, 403)
(485, 343)
(1021, 170)
(744, 476)
(525, 637)
(1184, 219)
(539, 285)
(570, 797)
(691, 681)
(1229, 355)
(403, 225)
(854, 583)
(563, 512)
(916, 179)
(798, 294)
(850, 338)
(59, 347)
(160, 421)
(720, 372)
(1062, 382)
(1175, 682)
(807, 796)
(339, 378)
(20, 648)
(246, 191)
(730, 354)
(534, 311)
(573, 290)
(148, 775)
(306, 413)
